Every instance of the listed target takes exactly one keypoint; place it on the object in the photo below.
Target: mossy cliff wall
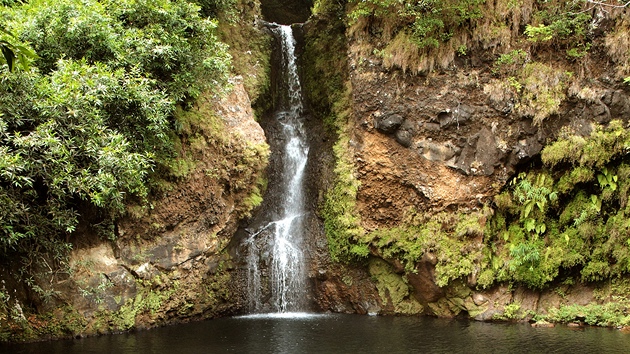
(169, 260)
(480, 157)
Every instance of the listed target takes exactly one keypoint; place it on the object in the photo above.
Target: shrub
(83, 129)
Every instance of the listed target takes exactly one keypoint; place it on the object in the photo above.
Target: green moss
(256, 196)
(60, 323)
(150, 299)
(251, 52)
(444, 235)
(596, 151)
(341, 219)
(543, 90)
(393, 288)
(578, 175)
(586, 226)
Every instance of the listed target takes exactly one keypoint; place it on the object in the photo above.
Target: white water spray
(287, 278)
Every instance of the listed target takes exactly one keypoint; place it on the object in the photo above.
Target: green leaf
(530, 225)
(9, 56)
(528, 209)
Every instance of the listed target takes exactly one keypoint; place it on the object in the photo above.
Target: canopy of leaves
(86, 124)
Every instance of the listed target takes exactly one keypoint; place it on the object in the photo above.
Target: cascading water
(283, 237)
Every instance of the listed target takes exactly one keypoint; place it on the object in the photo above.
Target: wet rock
(488, 315)
(441, 152)
(458, 116)
(286, 11)
(445, 118)
(486, 155)
(526, 149)
(146, 271)
(599, 112)
(480, 154)
(433, 127)
(404, 137)
(619, 104)
(423, 282)
(543, 324)
(479, 299)
(389, 124)
(473, 309)
(123, 287)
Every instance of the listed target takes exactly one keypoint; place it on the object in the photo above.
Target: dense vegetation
(83, 127)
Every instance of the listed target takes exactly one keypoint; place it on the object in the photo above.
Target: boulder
(389, 124)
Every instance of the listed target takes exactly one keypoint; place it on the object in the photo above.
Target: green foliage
(72, 147)
(429, 22)
(584, 226)
(328, 90)
(82, 130)
(166, 40)
(510, 62)
(14, 52)
(256, 196)
(443, 235)
(341, 219)
(578, 52)
(214, 8)
(597, 151)
(325, 67)
(393, 288)
(511, 312)
(609, 314)
(562, 25)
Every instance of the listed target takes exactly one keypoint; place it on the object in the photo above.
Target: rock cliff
(428, 138)
(169, 259)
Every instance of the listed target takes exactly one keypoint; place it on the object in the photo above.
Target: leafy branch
(14, 53)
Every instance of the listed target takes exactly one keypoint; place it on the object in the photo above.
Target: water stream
(284, 237)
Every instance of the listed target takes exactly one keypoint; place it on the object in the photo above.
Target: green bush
(166, 40)
(82, 130)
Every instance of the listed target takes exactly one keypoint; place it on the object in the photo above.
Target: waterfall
(279, 243)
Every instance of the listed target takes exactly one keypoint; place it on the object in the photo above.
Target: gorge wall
(440, 191)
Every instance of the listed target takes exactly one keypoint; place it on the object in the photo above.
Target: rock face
(169, 262)
(447, 141)
(180, 245)
(286, 12)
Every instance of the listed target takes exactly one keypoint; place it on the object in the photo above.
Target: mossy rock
(393, 288)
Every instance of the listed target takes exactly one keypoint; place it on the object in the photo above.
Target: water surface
(307, 333)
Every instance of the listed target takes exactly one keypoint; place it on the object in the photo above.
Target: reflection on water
(307, 333)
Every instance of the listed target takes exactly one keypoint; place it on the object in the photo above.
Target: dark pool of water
(343, 334)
